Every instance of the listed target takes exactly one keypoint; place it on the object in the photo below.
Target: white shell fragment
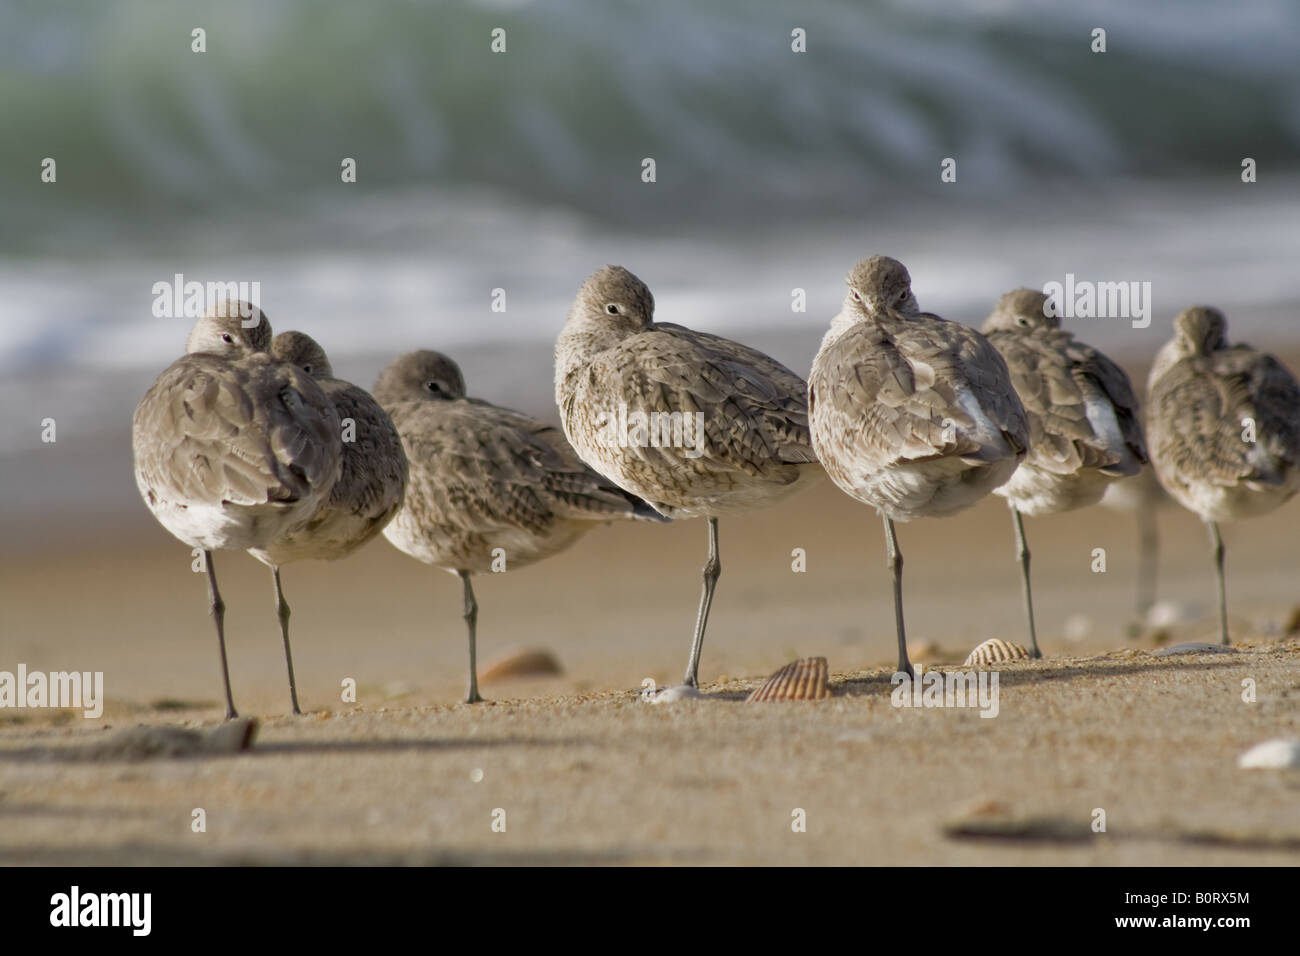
(668, 695)
(995, 651)
(804, 679)
(1284, 752)
(1171, 613)
(1195, 647)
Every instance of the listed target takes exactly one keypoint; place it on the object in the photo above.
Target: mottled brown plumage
(489, 488)
(372, 479)
(1083, 415)
(1224, 428)
(756, 439)
(613, 363)
(1084, 430)
(910, 413)
(1202, 392)
(232, 447)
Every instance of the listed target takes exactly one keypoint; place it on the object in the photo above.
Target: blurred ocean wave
(587, 89)
(522, 171)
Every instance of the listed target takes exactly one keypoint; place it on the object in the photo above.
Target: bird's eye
(856, 296)
(612, 309)
(307, 369)
(434, 387)
(227, 338)
(1023, 321)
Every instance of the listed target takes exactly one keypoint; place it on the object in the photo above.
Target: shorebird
(233, 448)
(697, 425)
(366, 495)
(1084, 430)
(490, 489)
(1224, 427)
(911, 414)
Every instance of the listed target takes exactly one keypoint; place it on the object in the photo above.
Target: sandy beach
(587, 772)
(402, 178)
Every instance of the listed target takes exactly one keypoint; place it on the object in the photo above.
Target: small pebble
(1195, 647)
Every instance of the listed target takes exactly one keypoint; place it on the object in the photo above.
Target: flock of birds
(249, 443)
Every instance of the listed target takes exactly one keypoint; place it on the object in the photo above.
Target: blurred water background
(522, 171)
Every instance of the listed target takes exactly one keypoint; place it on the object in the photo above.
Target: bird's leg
(712, 571)
(896, 569)
(1148, 554)
(470, 613)
(217, 608)
(1022, 552)
(1216, 549)
(282, 609)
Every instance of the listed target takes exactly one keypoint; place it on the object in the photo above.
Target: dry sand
(587, 772)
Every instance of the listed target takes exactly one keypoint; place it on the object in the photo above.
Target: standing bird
(1084, 430)
(1224, 426)
(366, 495)
(490, 488)
(911, 414)
(716, 427)
(233, 448)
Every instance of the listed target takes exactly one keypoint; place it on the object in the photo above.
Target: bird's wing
(1058, 380)
(1226, 418)
(374, 470)
(247, 433)
(754, 410)
(485, 468)
(1277, 409)
(905, 393)
(1116, 387)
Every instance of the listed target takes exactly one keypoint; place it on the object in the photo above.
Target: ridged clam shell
(803, 679)
(995, 651)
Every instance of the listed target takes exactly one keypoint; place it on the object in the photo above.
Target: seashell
(1195, 647)
(521, 662)
(1282, 752)
(804, 679)
(669, 695)
(995, 651)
